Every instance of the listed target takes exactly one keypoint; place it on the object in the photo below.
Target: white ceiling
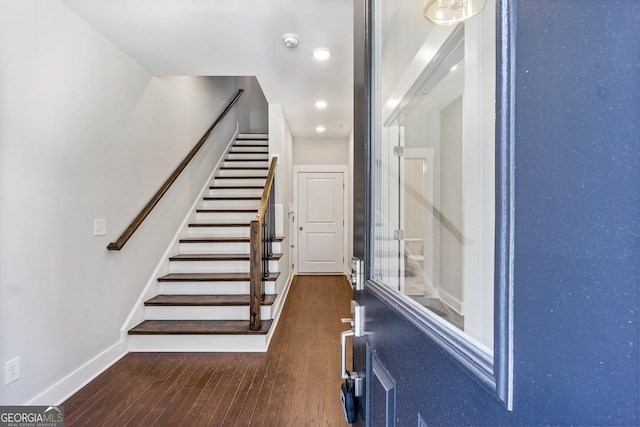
(243, 38)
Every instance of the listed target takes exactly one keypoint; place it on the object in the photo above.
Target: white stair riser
(199, 343)
(238, 182)
(251, 143)
(210, 288)
(237, 164)
(237, 192)
(203, 313)
(215, 266)
(214, 248)
(219, 231)
(240, 148)
(243, 172)
(231, 204)
(263, 137)
(221, 248)
(225, 217)
(248, 156)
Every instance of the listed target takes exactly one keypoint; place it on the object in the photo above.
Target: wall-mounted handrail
(126, 235)
(262, 231)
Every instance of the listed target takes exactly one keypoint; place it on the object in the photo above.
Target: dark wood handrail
(126, 235)
(257, 256)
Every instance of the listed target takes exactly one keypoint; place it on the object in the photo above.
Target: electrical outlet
(11, 371)
(99, 227)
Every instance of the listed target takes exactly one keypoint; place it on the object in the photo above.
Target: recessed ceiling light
(321, 53)
(321, 103)
(455, 67)
(320, 129)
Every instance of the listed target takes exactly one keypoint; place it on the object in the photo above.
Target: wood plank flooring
(295, 383)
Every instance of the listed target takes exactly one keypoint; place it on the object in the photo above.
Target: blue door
(497, 209)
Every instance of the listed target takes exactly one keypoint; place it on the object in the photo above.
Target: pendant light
(451, 12)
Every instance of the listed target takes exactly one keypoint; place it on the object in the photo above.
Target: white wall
(320, 151)
(252, 107)
(280, 145)
(85, 133)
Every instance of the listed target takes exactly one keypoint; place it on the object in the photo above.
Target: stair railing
(137, 221)
(262, 232)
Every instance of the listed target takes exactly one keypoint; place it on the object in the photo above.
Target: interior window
(434, 163)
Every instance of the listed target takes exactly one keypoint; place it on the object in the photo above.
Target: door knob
(301, 228)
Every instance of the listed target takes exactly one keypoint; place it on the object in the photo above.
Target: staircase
(203, 303)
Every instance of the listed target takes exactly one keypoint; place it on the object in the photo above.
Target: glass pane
(434, 165)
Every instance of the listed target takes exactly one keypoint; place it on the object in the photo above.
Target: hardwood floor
(295, 383)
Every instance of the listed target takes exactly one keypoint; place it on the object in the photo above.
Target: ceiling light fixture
(450, 12)
(321, 104)
(290, 40)
(321, 53)
(320, 129)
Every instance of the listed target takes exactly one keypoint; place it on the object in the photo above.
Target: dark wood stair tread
(218, 257)
(198, 327)
(212, 277)
(205, 300)
(246, 160)
(214, 240)
(231, 187)
(220, 224)
(232, 198)
(241, 177)
(222, 239)
(225, 210)
(250, 168)
(252, 137)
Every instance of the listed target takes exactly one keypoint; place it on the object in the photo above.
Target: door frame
(344, 170)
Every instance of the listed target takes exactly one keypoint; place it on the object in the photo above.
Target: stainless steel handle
(343, 352)
(357, 330)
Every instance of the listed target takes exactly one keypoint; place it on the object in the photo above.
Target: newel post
(255, 275)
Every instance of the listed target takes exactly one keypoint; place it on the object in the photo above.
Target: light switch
(99, 227)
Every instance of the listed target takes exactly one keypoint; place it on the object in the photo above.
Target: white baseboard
(278, 310)
(70, 384)
(452, 302)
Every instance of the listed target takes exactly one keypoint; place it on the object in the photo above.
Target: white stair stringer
(195, 292)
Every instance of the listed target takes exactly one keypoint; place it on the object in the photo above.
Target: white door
(320, 222)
